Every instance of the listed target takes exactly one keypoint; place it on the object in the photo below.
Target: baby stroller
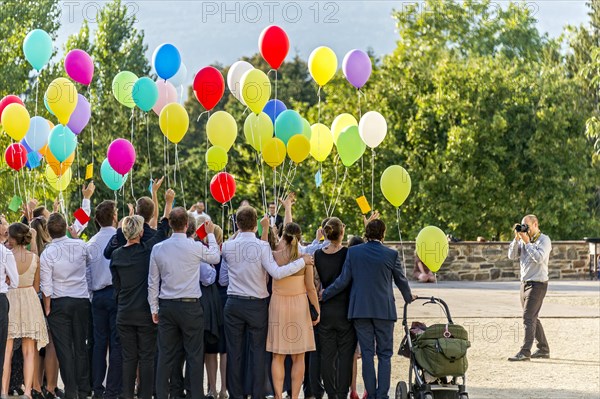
(437, 358)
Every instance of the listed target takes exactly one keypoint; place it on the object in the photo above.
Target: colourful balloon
(306, 132)
(15, 121)
(47, 106)
(58, 182)
(122, 88)
(350, 146)
(274, 45)
(395, 185)
(357, 67)
(216, 158)
(209, 87)
(273, 152)
(37, 47)
(298, 148)
(59, 167)
(38, 133)
(222, 187)
(341, 123)
(234, 78)
(79, 66)
(166, 60)
(112, 179)
(321, 142)
(274, 108)
(372, 128)
(174, 122)
(121, 156)
(145, 93)
(34, 159)
(16, 156)
(179, 78)
(432, 247)
(288, 124)
(167, 94)
(61, 97)
(62, 142)
(322, 65)
(221, 129)
(6, 101)
(81, 116)
(256, 90)
(258, 129)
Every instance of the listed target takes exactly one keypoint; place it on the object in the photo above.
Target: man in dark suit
(275, 219)
(369, 270)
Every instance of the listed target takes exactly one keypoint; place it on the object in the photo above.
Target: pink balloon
(79, 66)
(121, 156)
(166, 94)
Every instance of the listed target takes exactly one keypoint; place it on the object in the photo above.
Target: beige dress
(25, 317)
(290, 326)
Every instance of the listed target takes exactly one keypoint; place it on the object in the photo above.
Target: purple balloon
(357, 68)
(81, 116)
(273, 108)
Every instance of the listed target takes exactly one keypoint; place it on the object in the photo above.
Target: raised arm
(212, 254)
(287, 203)
(156, 183)
(86, 205)
(539, 250)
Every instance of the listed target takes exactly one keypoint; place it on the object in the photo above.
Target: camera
(521, 228)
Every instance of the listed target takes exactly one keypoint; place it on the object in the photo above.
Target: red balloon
(209, 87)
(274, 45)
(222, 187)
(6, 101)
(16, 156)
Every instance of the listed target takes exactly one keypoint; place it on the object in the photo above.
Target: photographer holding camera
(532, 248)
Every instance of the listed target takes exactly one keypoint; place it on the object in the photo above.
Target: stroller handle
(428, 300)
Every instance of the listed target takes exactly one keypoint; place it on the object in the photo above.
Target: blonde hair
(292, 235)
(218, 234)
(132, 226)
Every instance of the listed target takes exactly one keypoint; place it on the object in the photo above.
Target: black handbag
(314, 315)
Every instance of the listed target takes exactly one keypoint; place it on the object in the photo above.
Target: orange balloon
(59, 167)
(44, 149)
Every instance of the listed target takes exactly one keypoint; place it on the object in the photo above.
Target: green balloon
(216, 158)
(145, 93)
(306, 131)
(122, 88)
(350, 146)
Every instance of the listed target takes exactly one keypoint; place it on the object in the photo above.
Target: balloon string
(37, 89)
(339, 191)
(400, 236)
(320, 170)
(200, 116)
(334, 185)
(262, 181)
(372, 177)
(131, 172)
(148, 145)
(45, 195)
(91, 122)
(164, 155)
(275, 85)
(359, 109)
(205, 163)
(168, 160)
(319, 106)
(178, 166)
(78, 175)
(362, 175)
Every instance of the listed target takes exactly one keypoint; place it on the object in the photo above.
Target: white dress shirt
(245, 264)
(8, 268)
(311, 248)
(175, 268)
(98, 267)
(63, 269)
(198, 215)
(208, 274)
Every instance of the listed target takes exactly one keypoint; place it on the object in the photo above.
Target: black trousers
(337, 344)
(532, 298)
(246, 316)
(180, 322)
(138, 345)
(69, 321)
(4, 307)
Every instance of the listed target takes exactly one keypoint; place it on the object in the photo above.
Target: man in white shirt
(9, 278)
(66, 301)
(176, 270)
(246, 264)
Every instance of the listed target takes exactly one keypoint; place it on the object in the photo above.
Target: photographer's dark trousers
(532, 297)
(3, 330)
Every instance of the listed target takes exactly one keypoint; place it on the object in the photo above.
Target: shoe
(36, 395)
(211, 394)
(365, 395)
(519, 357)
(47, 394)
(223, 395)
(538, 354)
(59, 393)
(353, 395)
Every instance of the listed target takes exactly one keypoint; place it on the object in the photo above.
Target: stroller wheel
(463, 396)
(428, 396)
(402, 390)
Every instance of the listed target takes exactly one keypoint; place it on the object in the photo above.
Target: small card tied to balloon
(363, 204)
(81, 216)
(89, 171)
(201, 232)
(15, 203)
(318, 179)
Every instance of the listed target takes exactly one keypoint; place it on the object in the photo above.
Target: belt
(246, 298)
(182, 300)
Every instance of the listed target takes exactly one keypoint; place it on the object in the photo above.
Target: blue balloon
(37, 47)
(273, 108)
(25, 144)
(33, 160)
(145, 93)
(110, 177)
(166, 60)
(38, 133)
(62, 142)
(288, 124)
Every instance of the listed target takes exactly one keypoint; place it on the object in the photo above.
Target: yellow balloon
(15, 121)
(174, 122)
(298, 148)
(61, 97)
(395, 184)
(256, 89)
(59, 183)
(432, 247)
(258, 129)
(321, 141)
(322, 65)
(216, 158)
(221, 129)
(273, 152)
(340, 123)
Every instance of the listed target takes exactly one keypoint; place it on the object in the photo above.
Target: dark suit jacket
(369, 270)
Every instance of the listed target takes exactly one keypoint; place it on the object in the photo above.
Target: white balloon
(372, 128)
(38, 133)
(179, 78)
(234, 78)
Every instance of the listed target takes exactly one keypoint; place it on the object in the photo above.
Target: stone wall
(484, 261)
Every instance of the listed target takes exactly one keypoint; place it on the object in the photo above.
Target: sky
(206, 32)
